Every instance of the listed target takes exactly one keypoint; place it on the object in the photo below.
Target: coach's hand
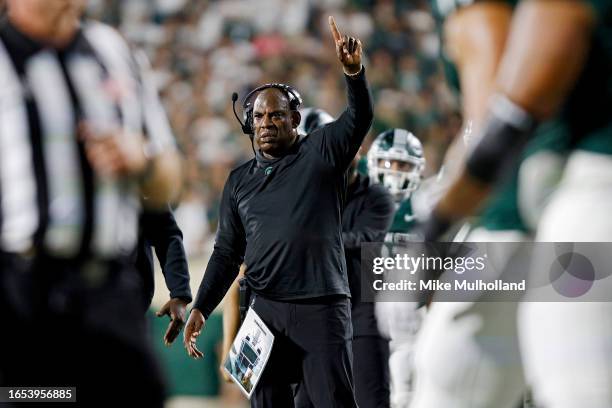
(175, 309)
(112, 153)
(348, 49)
(193, 328)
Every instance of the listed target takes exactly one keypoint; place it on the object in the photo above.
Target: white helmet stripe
(400, 138)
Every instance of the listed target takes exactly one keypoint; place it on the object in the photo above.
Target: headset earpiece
(299, 118)
(247, 128)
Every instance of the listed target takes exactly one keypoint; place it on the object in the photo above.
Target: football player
(455, 362)
(395, 160)
(554, 60)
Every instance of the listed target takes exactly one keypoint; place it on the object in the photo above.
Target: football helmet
(396, 161)
(312, 119)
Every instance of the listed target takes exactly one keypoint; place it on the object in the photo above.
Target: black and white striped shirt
(50, 199)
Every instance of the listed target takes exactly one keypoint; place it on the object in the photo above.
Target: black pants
(312, 347)
(371, 370)
(371, 364)
(78, 325)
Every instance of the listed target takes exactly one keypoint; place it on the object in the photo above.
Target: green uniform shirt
(403, 222)
(502, 211)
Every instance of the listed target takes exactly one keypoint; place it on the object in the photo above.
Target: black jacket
(367, 218)
(160, 231)
(283, 217)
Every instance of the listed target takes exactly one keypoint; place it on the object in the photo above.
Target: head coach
(282, 214)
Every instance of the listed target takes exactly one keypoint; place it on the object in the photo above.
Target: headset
(295, 100)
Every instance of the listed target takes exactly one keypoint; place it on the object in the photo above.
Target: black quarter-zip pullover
(283, 217)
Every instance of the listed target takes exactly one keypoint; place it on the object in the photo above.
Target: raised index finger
(334, 29)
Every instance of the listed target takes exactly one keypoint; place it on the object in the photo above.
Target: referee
(82, 137)
(282, 214)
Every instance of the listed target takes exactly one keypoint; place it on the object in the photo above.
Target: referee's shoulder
(105, 34)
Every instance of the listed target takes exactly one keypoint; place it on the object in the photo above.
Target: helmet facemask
(396, 166)
(400, 177)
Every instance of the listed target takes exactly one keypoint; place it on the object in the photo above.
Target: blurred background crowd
(202, 51)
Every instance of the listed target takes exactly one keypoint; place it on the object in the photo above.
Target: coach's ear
(296, 118)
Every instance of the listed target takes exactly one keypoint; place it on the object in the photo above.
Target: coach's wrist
(352, 70)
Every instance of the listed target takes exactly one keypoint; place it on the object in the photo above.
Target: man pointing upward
(280, 214)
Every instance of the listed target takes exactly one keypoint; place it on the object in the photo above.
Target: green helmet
(396, 161)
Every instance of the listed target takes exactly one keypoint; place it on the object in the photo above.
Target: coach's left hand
(193, 328)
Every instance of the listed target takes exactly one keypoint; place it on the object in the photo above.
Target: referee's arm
(162, 183)
(150, 156)
(162, 180)
(114, 154)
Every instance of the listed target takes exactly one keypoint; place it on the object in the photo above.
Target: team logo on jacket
(409, 218)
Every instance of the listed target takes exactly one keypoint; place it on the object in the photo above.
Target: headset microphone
(246, 129)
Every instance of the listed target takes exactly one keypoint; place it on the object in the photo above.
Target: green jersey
(584, 123)
(441, 10)
(502, 211)
(404, 221)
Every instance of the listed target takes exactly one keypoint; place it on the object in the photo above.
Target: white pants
(467, 354)
(568, 345)
(400, 322)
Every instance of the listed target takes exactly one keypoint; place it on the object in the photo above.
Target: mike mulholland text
(437, 285)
